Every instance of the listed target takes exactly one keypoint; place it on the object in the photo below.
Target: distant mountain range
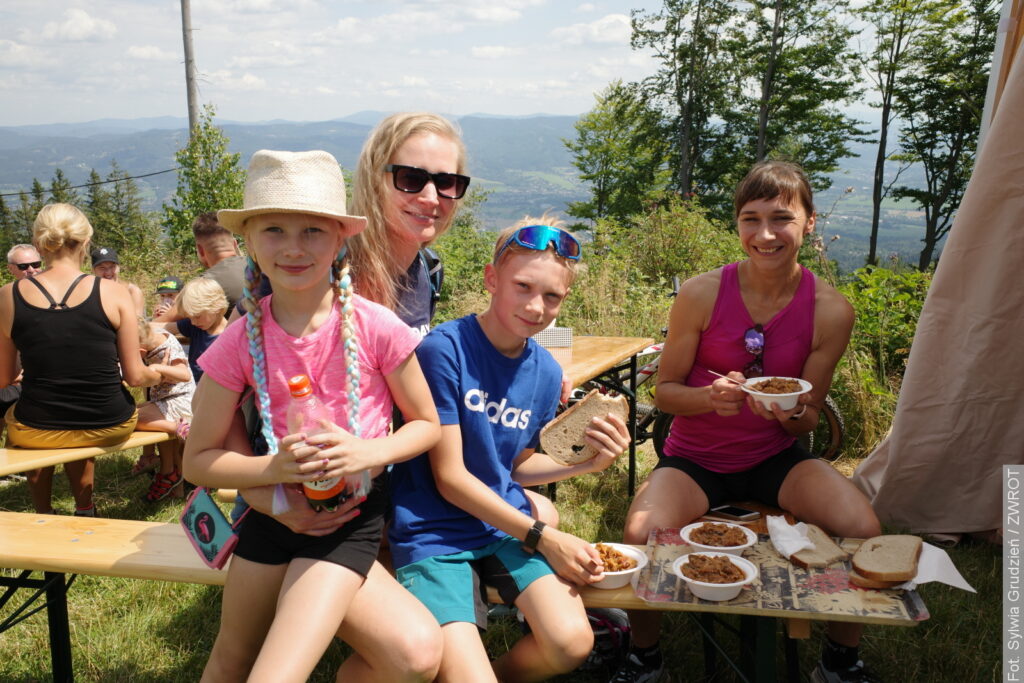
(521, 161)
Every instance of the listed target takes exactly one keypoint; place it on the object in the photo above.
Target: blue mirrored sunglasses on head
(539, 237)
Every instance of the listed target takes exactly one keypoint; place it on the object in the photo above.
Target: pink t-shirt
(384, 343)
(739, 442)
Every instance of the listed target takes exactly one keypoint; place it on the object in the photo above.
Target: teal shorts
(453, 587)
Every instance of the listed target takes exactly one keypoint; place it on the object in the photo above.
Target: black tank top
(69, 356)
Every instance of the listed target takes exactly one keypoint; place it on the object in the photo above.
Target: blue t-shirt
(500, 404)
(198, 341)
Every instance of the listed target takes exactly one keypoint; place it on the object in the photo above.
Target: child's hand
(609, 436)
(167, 375)
(302, 519)
(572, 558)
(162, 307)
(296, 462)
(343, 453)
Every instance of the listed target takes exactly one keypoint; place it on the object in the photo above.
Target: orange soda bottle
(305, 413)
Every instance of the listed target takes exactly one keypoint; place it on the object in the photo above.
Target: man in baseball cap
(106, 265)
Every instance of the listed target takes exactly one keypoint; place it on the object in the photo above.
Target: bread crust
(892, 557)
(824, 552)
(858, 580)
(563, 438)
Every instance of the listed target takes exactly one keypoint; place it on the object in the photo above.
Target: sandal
(145, 463)
(163, 485)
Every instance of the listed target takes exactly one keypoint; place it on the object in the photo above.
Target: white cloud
(610, 29)
(415, 82)
(347, 30)
(226, 7)
(586, 7)
(79, 26)
(263, 62)
(14, 54)
(493, 13)
(152, 53)
(324, 90)
(227, 80)
(495, 51)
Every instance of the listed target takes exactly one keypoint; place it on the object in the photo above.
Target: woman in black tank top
(77, 337)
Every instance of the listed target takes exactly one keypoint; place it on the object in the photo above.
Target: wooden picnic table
(591, 357)
(15, 460)
(60, 545)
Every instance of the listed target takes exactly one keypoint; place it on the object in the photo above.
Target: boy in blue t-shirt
(203, 303)
(461, 516)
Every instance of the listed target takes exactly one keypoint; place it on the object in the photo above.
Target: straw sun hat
(293, 182)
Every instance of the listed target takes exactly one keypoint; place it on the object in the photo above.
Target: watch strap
(533, 536)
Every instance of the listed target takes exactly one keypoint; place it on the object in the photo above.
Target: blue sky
(310, 60)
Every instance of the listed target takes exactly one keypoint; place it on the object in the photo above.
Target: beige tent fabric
(960, 414)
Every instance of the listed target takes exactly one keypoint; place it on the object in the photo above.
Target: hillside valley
(519, 161)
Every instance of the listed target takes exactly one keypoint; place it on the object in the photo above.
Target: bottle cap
(299, 386)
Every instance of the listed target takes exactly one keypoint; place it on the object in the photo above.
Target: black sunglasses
(30, 264)
(412, 179)
(753, 342)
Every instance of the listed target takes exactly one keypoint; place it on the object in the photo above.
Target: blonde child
(169, 402)
(203, 303)
(462, 517)
(288, 594)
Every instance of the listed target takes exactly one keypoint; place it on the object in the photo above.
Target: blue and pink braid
(341, 283)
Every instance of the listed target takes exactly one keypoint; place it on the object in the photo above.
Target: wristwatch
(533, 536)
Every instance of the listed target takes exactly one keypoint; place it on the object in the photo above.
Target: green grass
(128, 630)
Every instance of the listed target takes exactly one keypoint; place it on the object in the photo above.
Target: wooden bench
(15, 460)
(60, 545)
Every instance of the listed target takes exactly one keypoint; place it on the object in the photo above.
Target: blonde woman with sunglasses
(408, 183)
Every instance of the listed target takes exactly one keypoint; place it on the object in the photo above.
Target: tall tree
(695, 81)
(896, 25)
(619, 152)
(7, 227)
(940, 103)
(61, 190)
(97, 208)
(208, 179)
(738, 82)
(24, 214)
(136, 233)
(798, 52)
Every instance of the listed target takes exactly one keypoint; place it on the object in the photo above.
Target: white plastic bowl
(785, 401)
(622, 578)
(716, 592)
(729, 550)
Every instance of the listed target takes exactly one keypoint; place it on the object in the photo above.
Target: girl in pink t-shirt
(289, 594)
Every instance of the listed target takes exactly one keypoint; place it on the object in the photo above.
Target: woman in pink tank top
(763, 316)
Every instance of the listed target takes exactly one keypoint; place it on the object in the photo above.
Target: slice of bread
(858, 580)
(888, 558)
(824, 552)
(562, 438)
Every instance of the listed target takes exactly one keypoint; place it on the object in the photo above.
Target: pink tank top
(739, 442)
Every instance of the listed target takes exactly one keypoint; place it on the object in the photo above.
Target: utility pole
(190, 67)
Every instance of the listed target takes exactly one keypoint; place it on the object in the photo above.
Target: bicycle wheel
(826, 441)
(659, 432)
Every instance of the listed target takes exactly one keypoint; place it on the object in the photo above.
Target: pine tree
(61, 190)
(208, 179)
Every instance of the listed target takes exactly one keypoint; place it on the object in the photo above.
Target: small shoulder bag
(209, 531)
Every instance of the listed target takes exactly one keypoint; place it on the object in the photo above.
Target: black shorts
(761, 482)
(263, 539)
